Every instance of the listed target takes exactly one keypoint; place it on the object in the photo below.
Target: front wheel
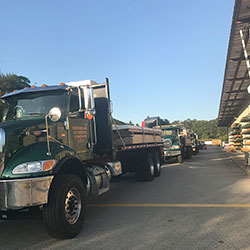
(66, 210)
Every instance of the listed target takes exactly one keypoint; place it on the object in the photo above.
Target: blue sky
(162, 57)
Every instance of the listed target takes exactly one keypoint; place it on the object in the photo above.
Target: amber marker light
(90, 117)
(61, 84)
(47, 165)
(44, 85)
(37, 133)
(33, 86)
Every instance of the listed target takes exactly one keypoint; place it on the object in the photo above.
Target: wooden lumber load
(131, 135)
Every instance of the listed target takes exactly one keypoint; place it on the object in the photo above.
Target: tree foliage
(131, 123)
(11, 82)
(206, 129)
(118, 122)
(163, 122)
(158, 122)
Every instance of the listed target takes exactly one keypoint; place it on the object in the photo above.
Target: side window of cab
(74, 102)
(75, 105)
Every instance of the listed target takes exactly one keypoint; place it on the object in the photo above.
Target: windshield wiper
(35, 113)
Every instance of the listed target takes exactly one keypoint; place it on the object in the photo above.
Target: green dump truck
(57, 150)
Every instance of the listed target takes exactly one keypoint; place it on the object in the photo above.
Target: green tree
(118, 122)
(11, 82)
(206, 129)
(176, 122)
(164, 122)
(131, 123)
(188, 123)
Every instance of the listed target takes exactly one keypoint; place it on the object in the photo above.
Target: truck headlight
(34, 167)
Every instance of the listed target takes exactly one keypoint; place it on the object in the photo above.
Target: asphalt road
(194, 205)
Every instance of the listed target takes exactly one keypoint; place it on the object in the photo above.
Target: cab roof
(65, 86)
(36, 89)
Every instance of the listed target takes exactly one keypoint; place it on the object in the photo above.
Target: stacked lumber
(235, 136)
(245, 131)
(135, 135)
(232, 149)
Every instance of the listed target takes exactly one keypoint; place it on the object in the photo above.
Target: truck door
(79, 127)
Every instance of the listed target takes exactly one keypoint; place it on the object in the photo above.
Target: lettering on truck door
(79, 129)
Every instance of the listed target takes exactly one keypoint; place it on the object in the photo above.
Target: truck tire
(145, 170)
(189, 152)
(179, 159)
(157, 164)
(65, 211)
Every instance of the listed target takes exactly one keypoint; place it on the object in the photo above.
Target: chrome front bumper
(172, 153)
(20, 193)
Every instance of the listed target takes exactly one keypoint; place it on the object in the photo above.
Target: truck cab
(172, 142)
(51, 137)
(177, 142)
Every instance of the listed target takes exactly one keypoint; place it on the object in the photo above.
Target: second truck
(177, 139)
(177, 142)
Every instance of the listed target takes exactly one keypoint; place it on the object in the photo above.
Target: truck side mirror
(55, 114)
(89, 104)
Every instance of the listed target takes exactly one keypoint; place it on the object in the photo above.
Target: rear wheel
(157, 164)
(146, 170)
(179, 159)
(66, 210)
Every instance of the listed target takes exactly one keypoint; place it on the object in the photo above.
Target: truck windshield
(168, 132)
(31, 105)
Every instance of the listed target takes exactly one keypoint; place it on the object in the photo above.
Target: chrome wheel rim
(158, 166)
(73, 206)
(152, 169)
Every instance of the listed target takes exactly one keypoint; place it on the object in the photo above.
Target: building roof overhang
(234, 96)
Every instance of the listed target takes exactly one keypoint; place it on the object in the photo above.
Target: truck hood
(12, 126)
(19, 134)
